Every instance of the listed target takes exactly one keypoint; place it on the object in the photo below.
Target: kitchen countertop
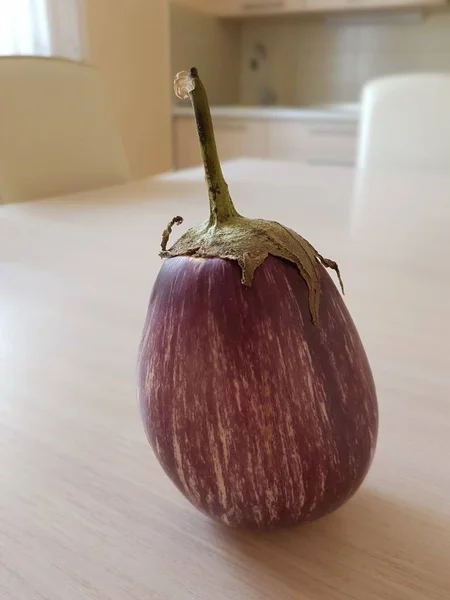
(86, 511)
(340, 113)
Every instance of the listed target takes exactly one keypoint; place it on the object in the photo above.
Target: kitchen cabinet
(315, 142)
(248, 8)
(185, 144)
(348, 5)
(234, 137)
(205, 6)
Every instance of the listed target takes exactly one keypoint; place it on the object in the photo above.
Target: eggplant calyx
(250, 242)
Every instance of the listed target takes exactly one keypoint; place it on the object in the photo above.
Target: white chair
(405, 123)
(57, 134)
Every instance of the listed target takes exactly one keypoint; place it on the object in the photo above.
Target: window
(43, 28)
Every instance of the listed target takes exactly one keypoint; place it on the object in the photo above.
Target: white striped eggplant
(254, 387)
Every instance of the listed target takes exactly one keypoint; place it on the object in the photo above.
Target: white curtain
(43, 28)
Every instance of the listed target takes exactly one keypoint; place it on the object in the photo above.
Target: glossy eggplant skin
(260, 418)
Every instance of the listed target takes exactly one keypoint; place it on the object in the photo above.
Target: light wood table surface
(86, 513)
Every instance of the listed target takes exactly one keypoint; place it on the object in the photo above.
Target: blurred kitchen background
(306, 59)
(285, 77)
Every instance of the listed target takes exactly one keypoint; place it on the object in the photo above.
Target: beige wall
(211, 45)
(312, 62)
(129, 44)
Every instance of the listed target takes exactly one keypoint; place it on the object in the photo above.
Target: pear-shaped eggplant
(254, 387)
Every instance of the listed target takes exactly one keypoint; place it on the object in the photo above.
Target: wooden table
(85, 510)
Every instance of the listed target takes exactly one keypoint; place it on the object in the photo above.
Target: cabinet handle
(262, 5)
(332, 132)
(229, 126)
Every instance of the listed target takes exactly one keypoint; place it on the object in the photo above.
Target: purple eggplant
(255, 391)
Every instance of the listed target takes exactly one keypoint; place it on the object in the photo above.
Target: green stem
(220, 202)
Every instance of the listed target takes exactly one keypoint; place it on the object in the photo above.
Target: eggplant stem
(230, 236)
(221, 205)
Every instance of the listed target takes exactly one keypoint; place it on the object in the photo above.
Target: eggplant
(254, 387)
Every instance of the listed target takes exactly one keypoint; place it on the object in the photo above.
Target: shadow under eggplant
(374, 547)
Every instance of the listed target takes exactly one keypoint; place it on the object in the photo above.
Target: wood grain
(85, 510)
